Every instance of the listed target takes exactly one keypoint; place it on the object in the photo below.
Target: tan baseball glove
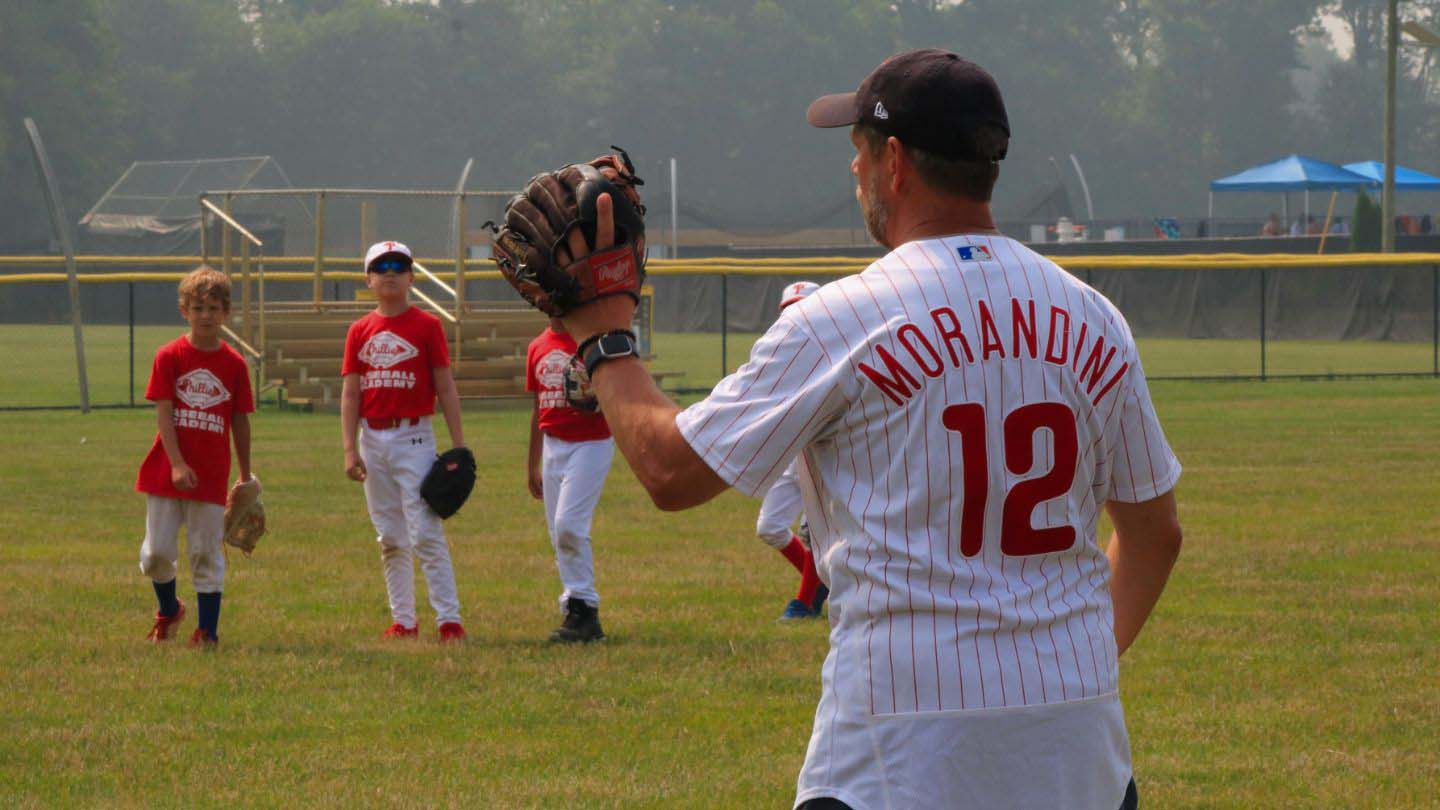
(244, 516)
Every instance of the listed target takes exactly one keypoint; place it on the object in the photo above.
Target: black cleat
(581, 625)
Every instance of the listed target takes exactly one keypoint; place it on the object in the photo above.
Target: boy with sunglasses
(396, 366)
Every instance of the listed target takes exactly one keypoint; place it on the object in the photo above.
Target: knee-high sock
(796, 553)
(809, 580)
(165, 595)
(209, 604)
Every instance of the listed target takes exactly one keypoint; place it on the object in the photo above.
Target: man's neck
(929, 216)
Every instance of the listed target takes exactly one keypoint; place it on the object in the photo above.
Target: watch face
(615, 345)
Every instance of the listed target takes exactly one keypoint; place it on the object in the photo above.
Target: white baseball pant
(204, 527)
(396, 461)
(572, 476)
(779, 511)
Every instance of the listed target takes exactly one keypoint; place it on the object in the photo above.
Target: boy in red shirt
(570, 455)
(202, 394)
(396, 365)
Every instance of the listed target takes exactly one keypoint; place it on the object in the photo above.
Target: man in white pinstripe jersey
(961, 411)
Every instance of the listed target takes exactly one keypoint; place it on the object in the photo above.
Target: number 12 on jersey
(1018, 537)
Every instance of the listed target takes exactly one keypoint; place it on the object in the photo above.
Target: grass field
(1292, 662)
(41, 360)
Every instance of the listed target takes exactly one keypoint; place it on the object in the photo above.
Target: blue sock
(165, 595)
(209, 604)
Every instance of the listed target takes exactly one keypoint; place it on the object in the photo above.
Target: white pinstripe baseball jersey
(964, 408)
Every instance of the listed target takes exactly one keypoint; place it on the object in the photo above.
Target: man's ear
(895, 162)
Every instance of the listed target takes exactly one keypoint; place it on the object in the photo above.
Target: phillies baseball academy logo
(387, 349)
(201, 389)
(550, 370)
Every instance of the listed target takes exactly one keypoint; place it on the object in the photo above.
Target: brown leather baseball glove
(533, 249)
(244, 516)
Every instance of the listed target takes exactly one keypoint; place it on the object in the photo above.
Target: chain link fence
(1195, 317)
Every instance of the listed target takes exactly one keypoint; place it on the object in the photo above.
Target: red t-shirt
(207, 389)
(545, 363)
(395, 358)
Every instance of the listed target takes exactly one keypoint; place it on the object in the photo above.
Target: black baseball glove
(449, 482)
(532, 248)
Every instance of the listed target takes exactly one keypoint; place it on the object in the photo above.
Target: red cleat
(451, 631)
(164, 628)
(398, 630)
(200, 638)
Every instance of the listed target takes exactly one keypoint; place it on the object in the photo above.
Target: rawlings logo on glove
(548, 223)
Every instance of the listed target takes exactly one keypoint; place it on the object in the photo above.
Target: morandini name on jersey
(1088, 354)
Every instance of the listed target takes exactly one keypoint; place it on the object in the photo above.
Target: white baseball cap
(794, 292)
(387, 249)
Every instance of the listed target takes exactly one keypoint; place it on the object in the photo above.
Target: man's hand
(537, 487)
(182, 477)
(548, 247)
(602, 314)
(354, 467)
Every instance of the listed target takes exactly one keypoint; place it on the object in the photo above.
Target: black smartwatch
(607, 346)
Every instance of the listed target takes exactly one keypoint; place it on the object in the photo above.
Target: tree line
(1155, 97)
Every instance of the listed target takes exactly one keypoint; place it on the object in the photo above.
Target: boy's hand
(354, 467)
(537, 489)
(230, 497)
(182, 477)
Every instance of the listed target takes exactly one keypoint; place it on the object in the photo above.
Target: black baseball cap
(930, 99)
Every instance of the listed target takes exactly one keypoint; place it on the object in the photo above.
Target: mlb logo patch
(974, 253)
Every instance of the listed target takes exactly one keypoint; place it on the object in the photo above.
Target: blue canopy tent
(1293, 173)
(1405, 179)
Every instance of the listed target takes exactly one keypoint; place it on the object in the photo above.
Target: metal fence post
(225, 237)
(131, 285)
(1435, 319)
(245, 321)
(204, 237)
(1264, 277)
(724, 324)
(319, 248)
(459, 273)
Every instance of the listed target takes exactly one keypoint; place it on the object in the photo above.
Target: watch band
(594, 350)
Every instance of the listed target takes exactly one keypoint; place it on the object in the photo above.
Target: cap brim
(835, 110)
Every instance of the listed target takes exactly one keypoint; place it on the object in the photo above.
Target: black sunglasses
(390, 266)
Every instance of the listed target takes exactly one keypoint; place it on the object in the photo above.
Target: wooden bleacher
(304, 345)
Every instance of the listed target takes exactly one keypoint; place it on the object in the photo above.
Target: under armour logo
(880, 112)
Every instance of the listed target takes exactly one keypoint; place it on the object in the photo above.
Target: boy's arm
(449, 404)
(180, 473)
(533, 464)
(350, 425)
(240, 426)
